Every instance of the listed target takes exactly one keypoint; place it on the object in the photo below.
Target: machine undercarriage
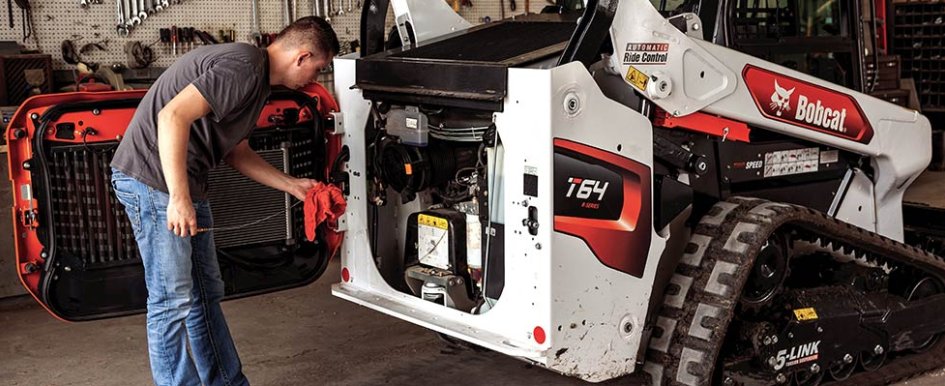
(820, 301)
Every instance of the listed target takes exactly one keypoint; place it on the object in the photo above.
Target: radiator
(236, 200)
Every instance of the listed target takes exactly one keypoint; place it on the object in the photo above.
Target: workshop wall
(57, 20)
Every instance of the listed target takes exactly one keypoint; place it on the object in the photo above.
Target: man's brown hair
(310, 31)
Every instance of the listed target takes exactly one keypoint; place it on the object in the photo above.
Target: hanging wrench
(158, 6)
(129, 15)
(121, 27)
(285, 13)
(134, 20)
(142, 10)
(152, 7)
(316, 8)
(254, 34)
(350, 4)
(328, 10)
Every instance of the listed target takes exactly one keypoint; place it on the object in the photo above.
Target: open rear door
(75, 251)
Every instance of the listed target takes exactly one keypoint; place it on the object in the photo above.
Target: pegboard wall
(58, 20)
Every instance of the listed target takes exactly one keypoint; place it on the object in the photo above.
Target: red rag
(324, 202)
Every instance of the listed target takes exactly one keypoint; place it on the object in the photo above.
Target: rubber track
(700, 300)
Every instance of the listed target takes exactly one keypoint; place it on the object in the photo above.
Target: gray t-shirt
(233, 78)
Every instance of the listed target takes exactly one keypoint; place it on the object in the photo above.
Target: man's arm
(174, 122)
(250, 164)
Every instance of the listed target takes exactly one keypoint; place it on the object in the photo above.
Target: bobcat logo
(781, 99)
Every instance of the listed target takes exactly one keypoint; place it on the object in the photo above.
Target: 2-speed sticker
(637, 78)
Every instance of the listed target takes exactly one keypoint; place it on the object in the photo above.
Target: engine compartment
(431, 173)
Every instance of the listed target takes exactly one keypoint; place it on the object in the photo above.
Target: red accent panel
(807, 105)
(621, 244)
(707, 124)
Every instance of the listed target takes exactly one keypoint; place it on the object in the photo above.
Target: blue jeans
(184, 292)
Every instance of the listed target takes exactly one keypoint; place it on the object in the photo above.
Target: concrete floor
(302, 336)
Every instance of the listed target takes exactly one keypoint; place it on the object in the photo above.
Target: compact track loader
(607, 193)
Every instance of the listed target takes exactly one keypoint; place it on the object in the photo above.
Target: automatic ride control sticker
(646, 53)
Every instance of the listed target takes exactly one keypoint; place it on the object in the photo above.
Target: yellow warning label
(637, 78)
(425, 219)
(803, 314)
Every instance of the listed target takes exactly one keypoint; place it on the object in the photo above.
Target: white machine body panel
(589, 323)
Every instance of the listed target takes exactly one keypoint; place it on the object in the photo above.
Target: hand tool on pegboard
(142, 10)
(254, 32)
(285, 13)
(327, 10)
(10, 12)
(120, 26)
(184, 39)
(134, 19)
(26, 11)
(205, 37)
(165, 36)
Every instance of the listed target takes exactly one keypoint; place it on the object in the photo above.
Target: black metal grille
(88, 221)
(89, 224)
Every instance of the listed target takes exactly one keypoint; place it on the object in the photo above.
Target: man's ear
(301, 57)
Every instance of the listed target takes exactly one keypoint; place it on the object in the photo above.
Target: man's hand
(299, 187)
(174, 123)
(181, 217)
